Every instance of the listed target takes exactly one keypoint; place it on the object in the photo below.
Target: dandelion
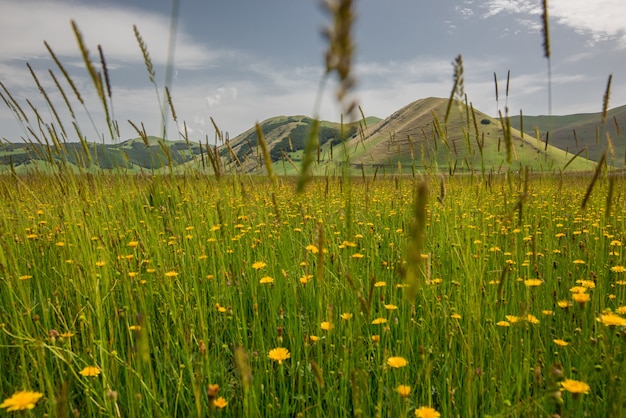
(391, 307)
(279, 354)
(133, 244)
(575, 386)
(404, 390)
(171, 273)
(512, 318)
(561, 343)
(379, 321)
(503, 323)
(455, 316)
(326, 326)
(22, 400)
(547, 312)
(532, 319)
(25, 277)
(220, 402)
(258, 265)
(427, 412)
(266, 280)
(397, 362)
(621, 310)
(90, 371)
(564, 304)
(313, 248)
(610, 320)
(380, 284)
(579, 261)
(357, 255)
(581, 298)
(533, 282)
(618, 269)
(346, 316)
(135, 328)
(100, 263)
(376, 339)
(313, 338)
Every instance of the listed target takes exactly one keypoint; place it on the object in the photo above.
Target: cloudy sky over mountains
(242, 61)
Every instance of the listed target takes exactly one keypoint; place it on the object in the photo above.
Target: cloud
(597, 19)
(32, 21)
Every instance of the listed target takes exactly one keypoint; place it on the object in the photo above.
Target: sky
(244, 61)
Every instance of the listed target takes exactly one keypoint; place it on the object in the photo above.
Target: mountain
(579, 131)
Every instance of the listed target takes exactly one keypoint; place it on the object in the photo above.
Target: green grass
(121, 235)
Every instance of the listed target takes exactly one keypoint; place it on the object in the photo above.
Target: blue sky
(242, 61)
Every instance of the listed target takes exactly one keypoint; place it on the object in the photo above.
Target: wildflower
(547, 312)
(220, 402)
(379, 321)
(90, 371)
(100, 263)
(380, 284)
(618, 269)
(266, 280)
(561, 343)
(564, 304)
(375, 338)
(26, 277)
(391, 307)
(326, 326)
(455, 316)
(578, 289)
(426, 412)
(357, 255)
(533, 282)
(313, 248)
(575, 386)
(21, 401)
(135, 328)
(313, 338)
(171, 273)
(279, 354)
(579, 262)
(346, 316)
(621, 310)
(403, 390)
(532, 319)
(397, 362)
(512, 318)
(258, 265)
(133, 244)
(610, 319)
(581, 298)
(503, 323)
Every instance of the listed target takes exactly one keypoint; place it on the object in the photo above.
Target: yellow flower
(266, 280)
(560, 342)
(512, 318)
(379, 321)
(426, 412)
(326, 326)
(532, 319)
(21, 400)
(564, 303)
(397, 362)
(618, 269)
(575, 386)
(503, 323)
(279, 354)
(391, 307)
(258, 265)
(611, 319)
(313, 338)
(220, 402)
(375, 338)
(133, 244)
(380, 284)
(533, 282)
(313, 248)
(135, 328)
(100, 263)
(357, 255)
(403, 390)
(455, 316)
(90, 371)
(346, 316)
(171, 273)
(581, 298)
(621, 310)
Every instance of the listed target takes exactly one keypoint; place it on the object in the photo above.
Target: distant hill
(414, 138)
(575, 132)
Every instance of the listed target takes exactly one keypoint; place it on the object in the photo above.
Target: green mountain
(582, 132)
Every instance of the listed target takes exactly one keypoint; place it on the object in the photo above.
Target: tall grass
(235, 295)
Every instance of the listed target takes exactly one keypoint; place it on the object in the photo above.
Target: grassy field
(164, 296)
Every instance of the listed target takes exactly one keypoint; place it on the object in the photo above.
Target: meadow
(138, 296)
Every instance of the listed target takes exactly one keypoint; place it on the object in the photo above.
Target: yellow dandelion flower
(357, 255)
(135, 328)
(266, 280)
(564, 304)
(610, 320)
(404, 390)
(68, 334)
(313, 338)
(575, 386)
(379, 321)
(258, 265)
(533, 282)
(561, 343)
(220, 402)
(581, 298)
(621, 310)
(22, 400)
(346, 316)
(618, 269)
(455, 316)
(171, 273)
(391, 307)
(512, 318)
(579, 261)
(326, 326)
(90, 371)
(427, 412)
(313, 248)
(532, 319)
(547, 312)
(133, 244)
(375, 338)
(100, 263)
(279, 354)
(503, 323)
(397, 362)
(578, 289)
(25, 277)
(380, 284)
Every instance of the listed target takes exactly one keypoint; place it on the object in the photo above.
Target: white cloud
(32, 21)
(599, 19)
